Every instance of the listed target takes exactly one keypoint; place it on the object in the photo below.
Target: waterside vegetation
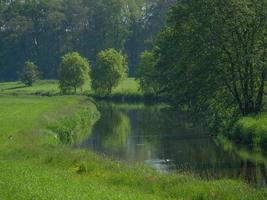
(208, 59)
(36, 164)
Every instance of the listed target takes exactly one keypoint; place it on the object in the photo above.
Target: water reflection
(166, 140)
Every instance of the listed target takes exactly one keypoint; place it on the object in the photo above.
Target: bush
(29, 74)
(251, 131)
(111, 68)
(73, 72)
(145, 73)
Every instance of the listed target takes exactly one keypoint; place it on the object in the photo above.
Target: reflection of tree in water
(254, 173)
(191, 148)
(161, 121)
(113, 128)
(139, 133)
(253, 165)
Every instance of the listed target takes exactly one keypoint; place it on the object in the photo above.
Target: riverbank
(251, 131)
(35, 164)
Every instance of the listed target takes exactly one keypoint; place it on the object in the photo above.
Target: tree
(29, 74)
(110, 69)
(73, 72)
(147, 19)
(214, 52)
(31, 30)
(43, 30)
(145, 73)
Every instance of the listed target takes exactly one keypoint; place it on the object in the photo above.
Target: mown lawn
(34, 165)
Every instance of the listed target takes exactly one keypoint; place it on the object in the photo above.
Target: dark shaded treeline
(211, 58)
(43, 30)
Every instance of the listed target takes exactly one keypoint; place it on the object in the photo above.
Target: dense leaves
(73, 72)
(29, 74)
(212, 55)
(44, 30)
(111, 68)
(145, 73)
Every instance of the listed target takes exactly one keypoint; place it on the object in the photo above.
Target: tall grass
(74, 127)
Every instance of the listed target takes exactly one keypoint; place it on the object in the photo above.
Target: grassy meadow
(38, 160)
(50, 88)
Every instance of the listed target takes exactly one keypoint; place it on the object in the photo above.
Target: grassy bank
(36, 164)
(251, 131)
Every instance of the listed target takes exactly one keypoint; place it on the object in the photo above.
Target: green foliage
(214, 49)
(111, 68)
(251, 131)
(29, 74)
(73, 72)
(34, 168)
(43, 30)
(145, 73)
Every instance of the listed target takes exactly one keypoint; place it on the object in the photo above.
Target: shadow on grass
(14, 88)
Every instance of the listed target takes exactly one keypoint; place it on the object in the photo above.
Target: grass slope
(34, 166)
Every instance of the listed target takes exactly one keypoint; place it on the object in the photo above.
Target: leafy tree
(146, 20)
(31, 30)
(214, 53)
(145, 73)
(43, 30)
(29, 74)
(110, 69)
(73, 72)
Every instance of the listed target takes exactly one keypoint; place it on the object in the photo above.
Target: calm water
(166, 140)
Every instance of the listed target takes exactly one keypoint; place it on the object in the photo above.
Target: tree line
(44, 30)
(74, 71)
(210, 58)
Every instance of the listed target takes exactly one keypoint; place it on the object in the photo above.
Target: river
(167, 140)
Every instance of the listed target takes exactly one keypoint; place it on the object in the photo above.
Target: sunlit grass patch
(252, 130)
(51, 88)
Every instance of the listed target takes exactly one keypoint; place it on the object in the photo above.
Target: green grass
(34, 164)
(19, 116)
(50, 87)
(251, 130)
(74, 127)
(40, 87)
(128, 86)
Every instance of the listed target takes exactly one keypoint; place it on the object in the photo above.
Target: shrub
(111, 68)
(73, 72)
(145, 73)
(251, 131)
(29, 74)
